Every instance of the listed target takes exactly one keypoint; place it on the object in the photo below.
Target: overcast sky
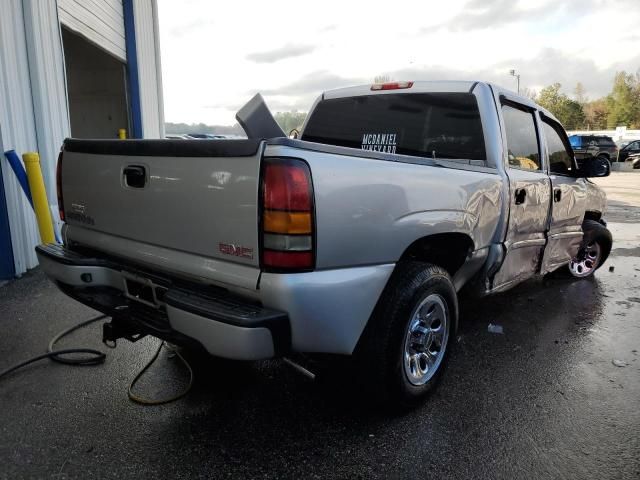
(217, 54)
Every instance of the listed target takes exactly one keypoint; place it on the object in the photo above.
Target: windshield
(574, 140)
(442, 125)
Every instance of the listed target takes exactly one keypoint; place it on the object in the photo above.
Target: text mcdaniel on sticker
(379, 142)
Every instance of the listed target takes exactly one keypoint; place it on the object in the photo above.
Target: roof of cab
(461, 86)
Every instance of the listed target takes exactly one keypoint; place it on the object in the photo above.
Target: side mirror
(594, 167)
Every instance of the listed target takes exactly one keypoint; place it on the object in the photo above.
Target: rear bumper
(222, 323)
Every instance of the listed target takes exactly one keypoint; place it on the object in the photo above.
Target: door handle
(520, 196)
(557, 195)
(135, 176)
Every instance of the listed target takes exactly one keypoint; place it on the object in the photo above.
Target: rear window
(446, 125)
(606, 142)
(575, 141)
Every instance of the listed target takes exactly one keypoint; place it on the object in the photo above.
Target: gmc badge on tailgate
(236, 250)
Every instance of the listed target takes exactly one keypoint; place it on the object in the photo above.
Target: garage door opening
(96, 89)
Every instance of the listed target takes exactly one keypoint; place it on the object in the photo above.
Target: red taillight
(287, 215)
(292, 260)
(287, 187)
(59, 186)
(391, 85)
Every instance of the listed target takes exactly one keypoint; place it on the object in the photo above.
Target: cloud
(552, 65)
(313, 83)
(300, 94)
(458, 39)
(478, 14)
(289, 105)
(190, 27)
(549, 66)
(287, 51)
(276, 103)
(484, 14)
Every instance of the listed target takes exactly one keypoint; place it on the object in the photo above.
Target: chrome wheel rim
(426, 339)
(586, 261)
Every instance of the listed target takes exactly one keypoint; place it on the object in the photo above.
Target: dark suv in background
(585, 146)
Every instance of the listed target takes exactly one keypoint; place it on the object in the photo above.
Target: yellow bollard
(39, 196)
(122, 133)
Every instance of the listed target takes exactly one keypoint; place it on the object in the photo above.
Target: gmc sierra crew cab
(354, 239)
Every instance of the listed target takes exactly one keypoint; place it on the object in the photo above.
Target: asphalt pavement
(556, 395)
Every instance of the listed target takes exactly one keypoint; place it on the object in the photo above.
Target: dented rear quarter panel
(369, 211)
(596, 198)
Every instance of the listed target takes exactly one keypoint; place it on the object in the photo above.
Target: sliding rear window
(446, 125)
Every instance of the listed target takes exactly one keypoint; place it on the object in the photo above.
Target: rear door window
(444, 125)
(560, 158)
(522, 138)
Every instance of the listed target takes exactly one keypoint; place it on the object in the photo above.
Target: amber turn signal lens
(287, 222)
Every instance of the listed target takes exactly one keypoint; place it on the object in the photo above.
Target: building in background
(70, 68)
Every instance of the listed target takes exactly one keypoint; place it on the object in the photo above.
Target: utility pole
(513, 73)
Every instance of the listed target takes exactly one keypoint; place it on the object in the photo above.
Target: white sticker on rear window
(379, 142)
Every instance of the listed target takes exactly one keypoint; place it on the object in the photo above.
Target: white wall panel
(18, 129)
(49, 93)
(100, 21)
(149, 70)
(33, 103)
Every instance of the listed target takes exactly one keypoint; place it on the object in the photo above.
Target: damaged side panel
(530, 196)
(373, 218)
(565, 226)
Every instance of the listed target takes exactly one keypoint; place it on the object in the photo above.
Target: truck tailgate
(195, 196)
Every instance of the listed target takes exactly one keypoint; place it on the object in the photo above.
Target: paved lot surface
(543, 400)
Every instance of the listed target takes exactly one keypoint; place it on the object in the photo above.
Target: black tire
(381, 351)
(594, 233)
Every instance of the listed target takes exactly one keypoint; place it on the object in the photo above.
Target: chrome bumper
(223, 324)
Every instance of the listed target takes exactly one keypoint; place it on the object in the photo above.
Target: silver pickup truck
(354, 239)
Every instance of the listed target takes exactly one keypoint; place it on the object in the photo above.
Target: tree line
(287, 121)
(621, 107)
(183, 128)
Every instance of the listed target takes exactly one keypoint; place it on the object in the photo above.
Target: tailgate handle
(135, 176)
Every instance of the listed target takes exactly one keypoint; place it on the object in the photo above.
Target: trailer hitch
(120, 326)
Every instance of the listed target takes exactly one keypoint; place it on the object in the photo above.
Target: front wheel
(405, 347)
(595, 249)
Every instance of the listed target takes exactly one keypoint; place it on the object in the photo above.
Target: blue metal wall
(132, 69)
(7, 269)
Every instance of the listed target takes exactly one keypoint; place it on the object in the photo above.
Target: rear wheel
(405, 347)
(595, 249)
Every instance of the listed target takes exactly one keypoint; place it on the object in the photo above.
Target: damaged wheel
(595, 249)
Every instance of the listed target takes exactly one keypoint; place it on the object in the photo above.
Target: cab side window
(522, 138)
(560, 160)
